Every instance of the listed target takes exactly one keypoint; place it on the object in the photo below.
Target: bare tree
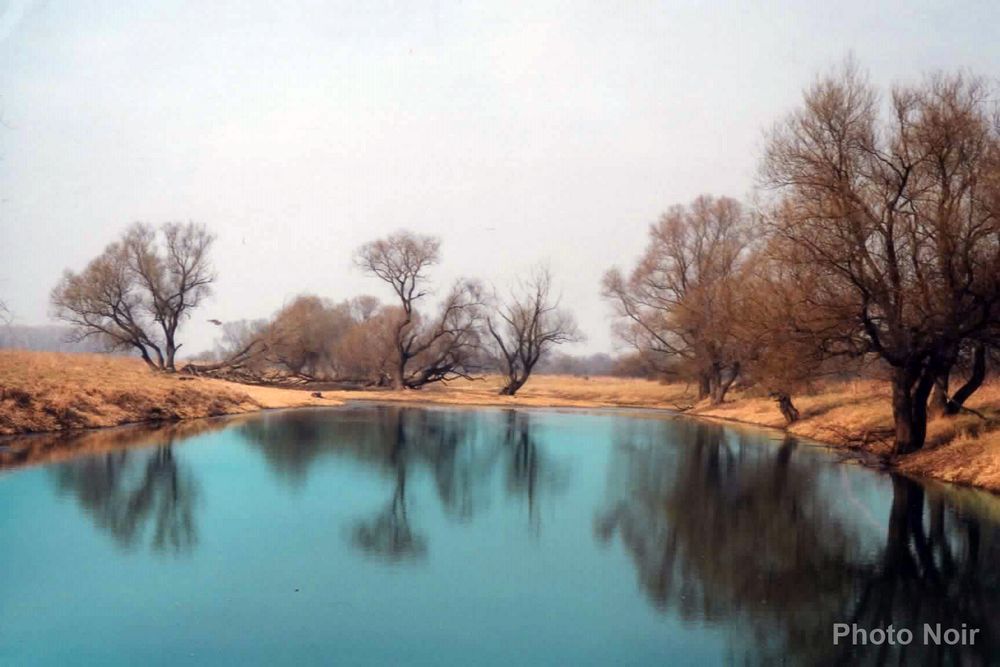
(426, 350)
(897, 206)
(445, 347)
(786, 342)
(104, 301)
(137, 292)
(677, 305)
(526, 326)
(175, 274)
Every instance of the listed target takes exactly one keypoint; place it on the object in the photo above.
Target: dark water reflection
(727, 531)
(545, 537)
(451, 445)
(136, 495)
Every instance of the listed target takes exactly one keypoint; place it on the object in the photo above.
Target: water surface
(400, 535)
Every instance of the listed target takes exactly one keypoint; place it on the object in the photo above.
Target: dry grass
(52, 392)
(968, 459)
(963, 449)
(48, 391)
(540, 391)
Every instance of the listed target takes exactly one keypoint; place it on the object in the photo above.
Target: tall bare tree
(426, 349)
(897, 205)
(174, 271)
(525, 326)
(139, 290)
(103, 301)
(677, 305)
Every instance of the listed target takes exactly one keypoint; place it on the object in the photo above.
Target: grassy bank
(48, 391)
(55, 392)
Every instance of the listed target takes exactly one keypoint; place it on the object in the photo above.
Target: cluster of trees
(405, 344)
(875, 238)
(876, 241)
(136, 294)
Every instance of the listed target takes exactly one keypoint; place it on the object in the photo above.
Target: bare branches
(401, 260)
(677, 305)
(897, 212)
(176, 276)
(526, 326)
(137, 292)
(426, 351)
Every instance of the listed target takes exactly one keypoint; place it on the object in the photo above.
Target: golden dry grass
(835, 412)
(51, 392)
(963, 449)
(48, 391)
(540, 391)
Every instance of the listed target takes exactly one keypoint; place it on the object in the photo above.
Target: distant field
(47, 391)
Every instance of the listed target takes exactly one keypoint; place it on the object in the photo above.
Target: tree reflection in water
(460, 452)
(723, 528)
(127, 490)
(528, 470)
(389, 534)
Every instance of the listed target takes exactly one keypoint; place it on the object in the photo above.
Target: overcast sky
(553, 131)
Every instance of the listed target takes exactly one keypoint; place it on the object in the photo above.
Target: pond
(376, 534)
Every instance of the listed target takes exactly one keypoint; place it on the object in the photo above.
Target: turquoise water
(387, 535)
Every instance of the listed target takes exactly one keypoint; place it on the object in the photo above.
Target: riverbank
(48, 391)
(51, 392)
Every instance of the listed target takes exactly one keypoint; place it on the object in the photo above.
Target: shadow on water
(728, 531)
(461, 454)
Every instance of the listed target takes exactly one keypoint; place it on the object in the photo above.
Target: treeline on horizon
(872, 245)
(60, 338)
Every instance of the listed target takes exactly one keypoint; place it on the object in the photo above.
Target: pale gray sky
(517, 132)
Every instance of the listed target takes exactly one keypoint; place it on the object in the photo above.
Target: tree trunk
(720, 387)
(513, 384)
(724, 386)
(146, 358)
(399, 381)
(704, 385)
(975, 381)
(516, 377)
(788, 409)
(939, 396)
(159, 357)
(714, 384)
(910, 391)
